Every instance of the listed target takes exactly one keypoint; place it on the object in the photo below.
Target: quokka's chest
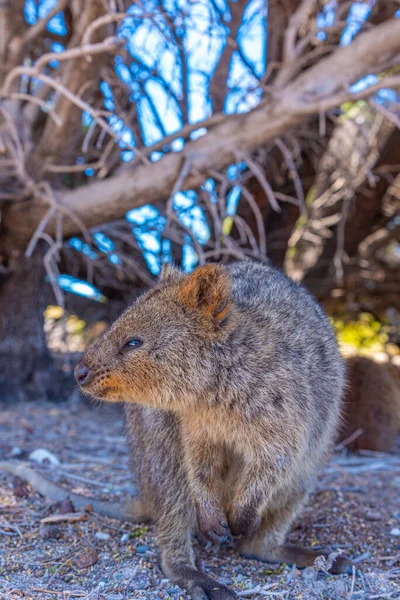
(219, 427)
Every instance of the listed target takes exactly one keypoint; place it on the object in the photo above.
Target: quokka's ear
(170, 273)
(208, 289)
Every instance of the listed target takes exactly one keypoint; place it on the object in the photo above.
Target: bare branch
(87, 50)
(38, 102)
(320, 87)
(293, 171)
(378, 239)
(97, 115)
(259, 174)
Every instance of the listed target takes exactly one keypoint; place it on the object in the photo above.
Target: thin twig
(294, 173)
(349, 439)
(353, 580)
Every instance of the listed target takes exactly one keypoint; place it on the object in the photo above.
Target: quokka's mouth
(105, 393)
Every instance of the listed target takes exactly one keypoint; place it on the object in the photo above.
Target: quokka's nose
(82, 373)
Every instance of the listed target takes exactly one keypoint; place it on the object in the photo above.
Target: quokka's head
(160, 352)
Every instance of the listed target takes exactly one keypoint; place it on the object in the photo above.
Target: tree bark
(279, 13)
(27, 370)
(62, 144)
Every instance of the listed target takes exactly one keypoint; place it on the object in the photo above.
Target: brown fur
(232, 401)
(372, 404)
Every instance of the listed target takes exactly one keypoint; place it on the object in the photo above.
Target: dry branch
(54, 142)
(321, 87)
(68, 517)
(54, 492)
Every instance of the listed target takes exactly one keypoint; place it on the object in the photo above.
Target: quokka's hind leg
(174, 534)
(268, 542)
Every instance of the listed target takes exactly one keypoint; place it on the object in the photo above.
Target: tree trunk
(27, 371)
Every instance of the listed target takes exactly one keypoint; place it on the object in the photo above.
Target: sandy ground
(356, 508)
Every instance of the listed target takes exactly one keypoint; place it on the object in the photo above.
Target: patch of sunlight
(227, 225)
(53, 312)
(365, 335)
(67, 333)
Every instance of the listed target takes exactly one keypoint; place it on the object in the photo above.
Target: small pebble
(395, 531)
(373, 515)
(309, 574)
(396, 516)
(125, 573)
(66, 507)
(43, 456)
(125, 538)
(102, 536)
(20, 489)
(141, 582)
(50, 532)
(87, 559)
(16, 451)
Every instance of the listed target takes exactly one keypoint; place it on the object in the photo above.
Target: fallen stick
(70, 517)
(132, 510)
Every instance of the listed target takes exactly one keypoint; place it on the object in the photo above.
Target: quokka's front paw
(243, 519)
(211, 521)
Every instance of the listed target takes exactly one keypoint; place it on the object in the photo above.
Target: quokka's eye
(132, 344)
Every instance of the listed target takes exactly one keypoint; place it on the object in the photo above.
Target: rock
(309, 574)
(140, 582)
(20, 489)
(373, 515)
(126, 573)
(101, 535)
(395, 531)
(87, 559)
(16, 451)
(65, 507)
(141, 549)
(43, 456)
(50, 532)
(396, 516)
(124, 538)
(133, 579)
